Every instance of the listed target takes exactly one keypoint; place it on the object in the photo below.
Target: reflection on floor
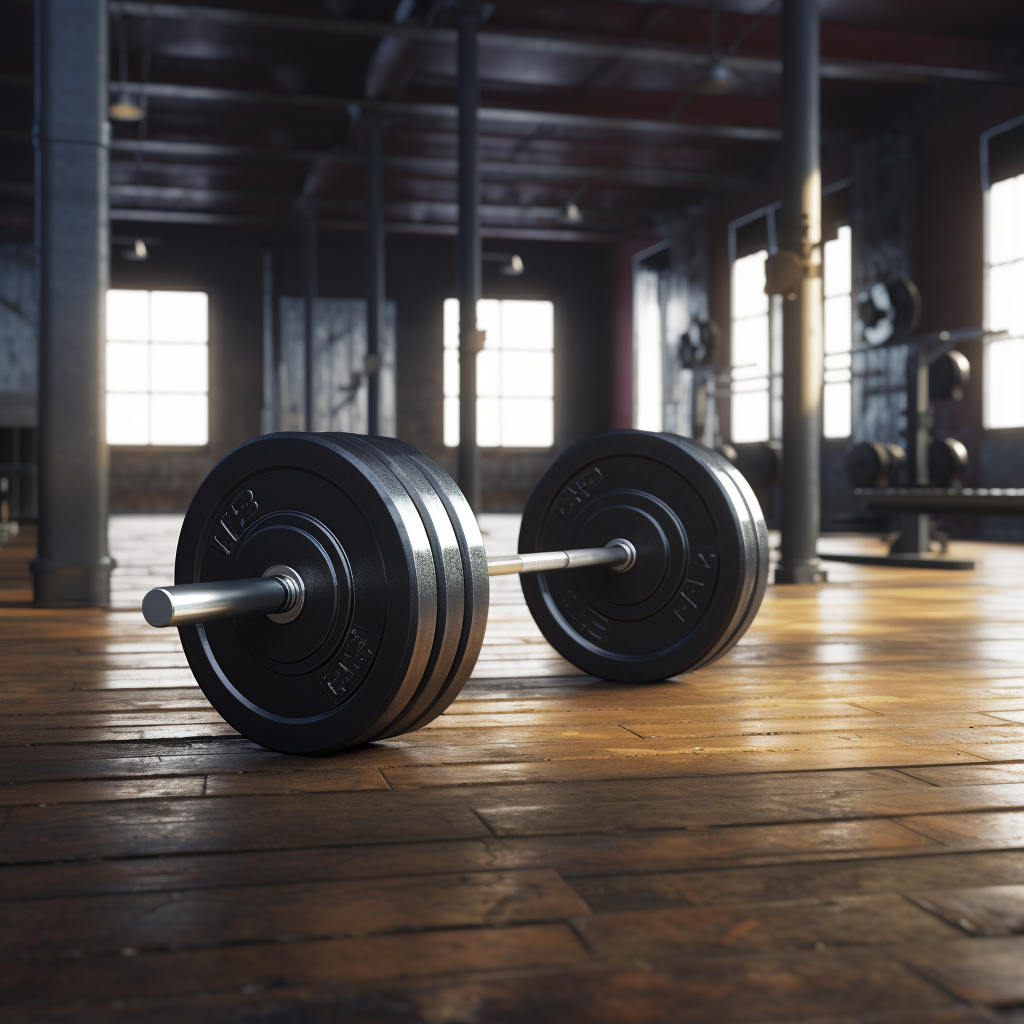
(826, 824)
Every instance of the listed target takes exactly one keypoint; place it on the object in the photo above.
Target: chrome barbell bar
(280, 593)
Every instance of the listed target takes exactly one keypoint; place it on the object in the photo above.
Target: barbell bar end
(279, 593)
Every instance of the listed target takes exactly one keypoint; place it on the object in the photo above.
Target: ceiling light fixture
(127, 107)
(514, 267)
(719, 79)
(571, 214)
(509, 264)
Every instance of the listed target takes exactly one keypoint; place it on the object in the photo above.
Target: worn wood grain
(824, 827)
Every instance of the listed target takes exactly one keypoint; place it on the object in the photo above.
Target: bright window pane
(515, 373)
(837, 398)
(838, 262)
(488, 320)
(750, 347)
(1004, 304)
(527, 374)
(1002, 204)
(157, 374)
(179, 316)
(838, 324)
(526, 424)
(451, 323)
(179, 369)
(488, 374)
(127, 419)
(451, 372)
(1004, 373)
(837, 411)
(531, 324)
(1006, 298)
(488, 422)
(127, 366)
(750, 416)
(649, 404)
(127, 315)
(748, 297)
(178, 419)
(451, 422)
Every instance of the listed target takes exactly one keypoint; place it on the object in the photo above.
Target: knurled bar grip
(267, 595)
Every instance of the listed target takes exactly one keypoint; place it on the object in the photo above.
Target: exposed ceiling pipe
(563, 46)
(448, 111)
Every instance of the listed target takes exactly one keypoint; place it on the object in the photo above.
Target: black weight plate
(349, 663)
(447, 570)
(702, 555)
(477, 585)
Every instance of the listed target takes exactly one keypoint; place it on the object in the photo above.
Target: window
(649, 388)
(157, 390)
(515, 375)
(1004, 302)
(838, 396)
(751, 349)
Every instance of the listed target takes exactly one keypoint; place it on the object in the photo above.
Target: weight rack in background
(18, 468)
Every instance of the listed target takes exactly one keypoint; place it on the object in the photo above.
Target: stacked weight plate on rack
(396, 589)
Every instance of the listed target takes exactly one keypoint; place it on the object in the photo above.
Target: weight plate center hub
(661, 547)
(307, 547)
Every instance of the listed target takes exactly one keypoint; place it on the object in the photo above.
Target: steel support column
(916, 527)
(310, 282)
(72, 141)
(802, 328)
(376, 296)
(468, 255)
(268, 414)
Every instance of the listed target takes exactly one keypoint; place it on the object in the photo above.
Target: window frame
(770, 213)
(451, 397)
(986, 185)
(149, 393)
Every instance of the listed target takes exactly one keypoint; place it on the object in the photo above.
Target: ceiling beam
(441, 167)
(553, 234)
(449, 112)
(556, 45)
(412, 209)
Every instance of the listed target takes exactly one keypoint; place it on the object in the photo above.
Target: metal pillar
(268, 414)
(468, 256)
(375, 285)
(916, 527)
(310, 281)
(72, 141)
(802, 331)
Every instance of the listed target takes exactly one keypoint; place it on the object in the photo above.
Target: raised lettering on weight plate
(586, 621)
(356, 657)
(233, 520)
(695, 593)
(578, 493)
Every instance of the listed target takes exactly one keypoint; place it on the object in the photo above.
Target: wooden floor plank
(299, 911)
(987, 971)
(826, 826)
(280, 964)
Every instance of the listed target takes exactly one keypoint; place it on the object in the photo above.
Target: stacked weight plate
(396, 589)
(701, 555)
(460, 570)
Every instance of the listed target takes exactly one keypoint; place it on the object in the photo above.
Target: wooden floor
(826, 825)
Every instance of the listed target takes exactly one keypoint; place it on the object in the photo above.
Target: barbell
(332, 589)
